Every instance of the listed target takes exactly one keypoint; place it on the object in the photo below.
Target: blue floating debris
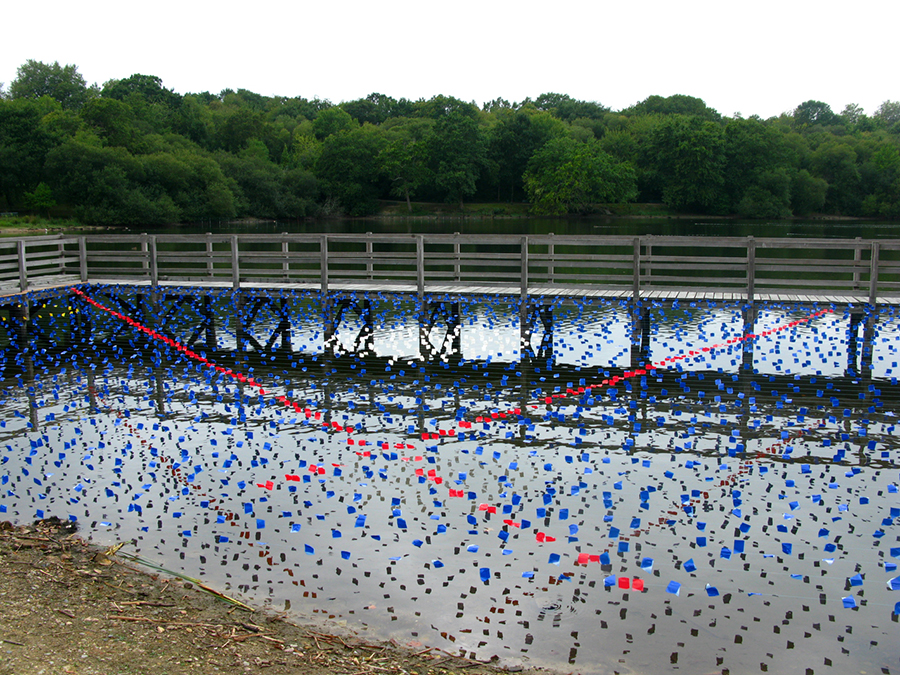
(674, 588)
(689, 565)
(711, 591)
(849, 602)
(856, 580)
(485, 573)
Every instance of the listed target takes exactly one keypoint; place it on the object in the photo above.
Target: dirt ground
(68, 607)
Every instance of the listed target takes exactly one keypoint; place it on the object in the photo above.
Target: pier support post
(640, 342)
(209, 319)
(860, 351)
(749, 317)
(284, 326)
(540, 311)
(452, 343)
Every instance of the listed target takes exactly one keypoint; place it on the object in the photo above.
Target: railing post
(524, 328)
(210, 272)
(82, 258)
(751, 269)
(369, 266)
(636, 276)
(154, 262)
(23, 269)
(285, 250)
(551, 253)
(873, 273)
(145, 264)
(420, 266)
(235, 263)
(323, 264)
(456, 272)
(857, 260)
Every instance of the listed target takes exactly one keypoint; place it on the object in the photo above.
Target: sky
(752, 58)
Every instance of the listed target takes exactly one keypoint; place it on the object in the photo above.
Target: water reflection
(700, 516)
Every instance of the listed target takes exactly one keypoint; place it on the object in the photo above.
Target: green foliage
(690, 158)
(63, 83)
(567, 176)
(813, 113)
(807, 193)
(769, 197)
(835, 161)
(40, 199)
(24, 143)
(332, 121)
(458, 155)
(138, 153)
(566, 108)
(147, 88)
(404, 158)
(111, 120)
(349, 167)
(678, 104)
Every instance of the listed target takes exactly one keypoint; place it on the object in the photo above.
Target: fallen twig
(188, 624)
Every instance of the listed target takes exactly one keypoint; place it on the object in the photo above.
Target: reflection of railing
(632, 266)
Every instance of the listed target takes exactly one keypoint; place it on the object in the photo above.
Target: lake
(574, 515)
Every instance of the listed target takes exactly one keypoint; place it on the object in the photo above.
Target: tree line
(133, 152)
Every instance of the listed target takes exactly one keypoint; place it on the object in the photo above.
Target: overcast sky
(763, 57)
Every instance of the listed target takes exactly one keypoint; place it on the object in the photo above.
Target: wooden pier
(345, 272)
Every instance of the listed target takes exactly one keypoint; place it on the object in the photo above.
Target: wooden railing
(864, 269)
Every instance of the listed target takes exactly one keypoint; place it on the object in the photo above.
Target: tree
(332, 121)
(813, 113)
(807, 193)
(567, 176)
(40, 199)
(23, 145)
(512, 142)
(678, 104)
(754, 150)
(769, 197)
(689, 154)
(852, 114)
(836, 162)
(147, 87)
(111, 119)
(404, 159)
(348, 166)
(444, 106)
(239, 125)
(566, 108)
(374, 108)
(63, 83)
(458, 155)
(888, 113)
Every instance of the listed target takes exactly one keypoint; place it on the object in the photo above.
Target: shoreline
(69, 606)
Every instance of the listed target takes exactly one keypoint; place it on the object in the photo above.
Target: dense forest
(133, 152)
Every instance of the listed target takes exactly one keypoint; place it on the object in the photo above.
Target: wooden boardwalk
(10, 292)
(530, 268)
